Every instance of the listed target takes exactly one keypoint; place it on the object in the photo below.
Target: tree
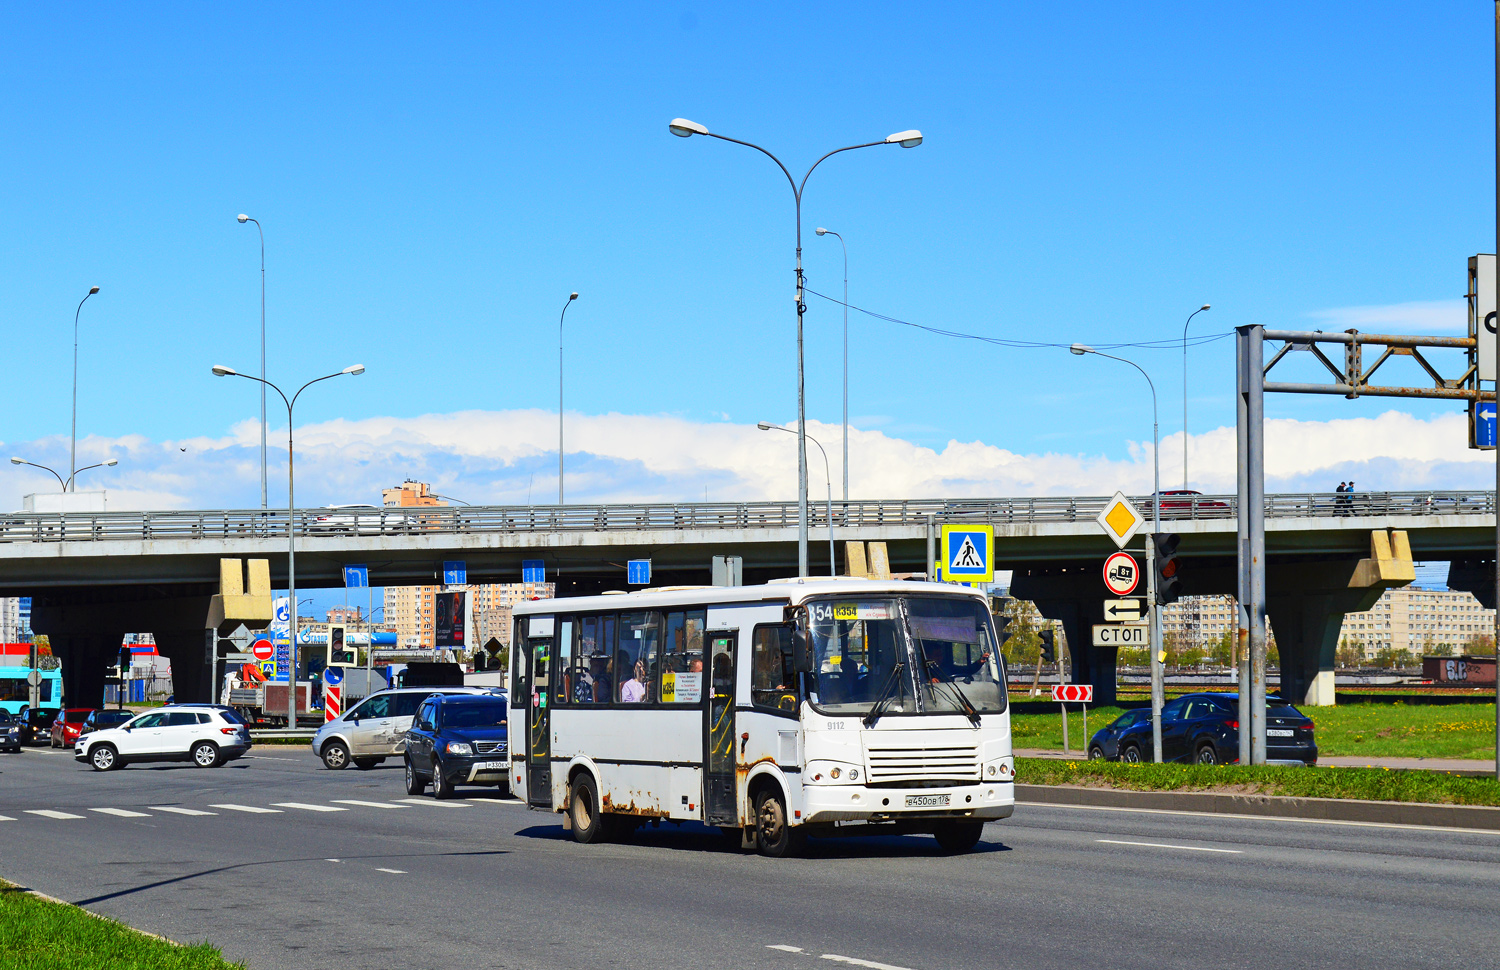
(1349, 653)
(1480, 645)
(1025, 643)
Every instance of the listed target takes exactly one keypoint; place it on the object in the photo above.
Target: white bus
(821, 707)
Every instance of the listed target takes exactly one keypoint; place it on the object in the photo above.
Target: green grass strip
(1373, 784)
(36, 934)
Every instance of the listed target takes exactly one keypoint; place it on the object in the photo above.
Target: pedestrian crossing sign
(969, 553)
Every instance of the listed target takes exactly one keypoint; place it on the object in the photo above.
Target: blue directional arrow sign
(455, 573)
(533, 571)
(1484, 424)
(356, 577)
(638, 572)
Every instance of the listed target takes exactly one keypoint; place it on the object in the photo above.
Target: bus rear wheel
(956, 837)
(775, 837)
(583, 811)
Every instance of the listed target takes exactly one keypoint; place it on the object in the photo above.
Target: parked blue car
(1205, 729)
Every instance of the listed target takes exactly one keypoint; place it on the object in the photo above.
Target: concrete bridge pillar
(84, 657)
(191, 674)
(1071, 595)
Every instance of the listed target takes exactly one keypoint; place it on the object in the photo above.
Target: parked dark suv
(1205, 729)
(457, 739)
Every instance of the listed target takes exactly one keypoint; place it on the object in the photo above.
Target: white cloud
(1447, 316)
(511, 457)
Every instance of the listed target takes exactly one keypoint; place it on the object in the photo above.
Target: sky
(434, 181)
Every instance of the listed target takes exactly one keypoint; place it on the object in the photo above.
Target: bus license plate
(490, 766)
(926, 801)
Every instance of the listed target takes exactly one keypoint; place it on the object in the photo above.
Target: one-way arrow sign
(1122, 611)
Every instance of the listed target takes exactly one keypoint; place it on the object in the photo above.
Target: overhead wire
(1173, 344)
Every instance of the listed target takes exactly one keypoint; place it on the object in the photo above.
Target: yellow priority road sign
(1120, 520)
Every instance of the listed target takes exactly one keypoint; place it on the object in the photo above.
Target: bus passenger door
(539, 746)
(719, 805)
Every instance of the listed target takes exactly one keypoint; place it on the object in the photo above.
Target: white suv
(204, 734)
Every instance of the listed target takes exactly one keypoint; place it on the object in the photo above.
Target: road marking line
(178, 811)
(254, 809)
(333, 860)
(784, 948)
(509, 802)
(429, 802)
(6, 818)
(49, 813)
(394, 872)
(355, 801)
(856, 962)
(1263, 818)
(261, 757)
(1163, 845)
(309, 808)
(120, 812)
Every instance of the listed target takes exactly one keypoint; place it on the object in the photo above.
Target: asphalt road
(337, 869)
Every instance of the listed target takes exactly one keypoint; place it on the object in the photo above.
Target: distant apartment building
(10, 619)
(409, 609)
(349, 615)
(1421, 621)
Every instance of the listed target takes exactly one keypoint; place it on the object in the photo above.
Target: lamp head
(1206, 306)
(353, 370)
(683, 128)
(18, 461)
(221, 371)
(1081, 349)
(93, 290)
(906, 139)
(242, 217)
(111, 463)
(821, 231)
(572, 297)
(764, 426)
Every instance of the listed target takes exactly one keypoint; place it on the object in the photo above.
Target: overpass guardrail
(22, 527)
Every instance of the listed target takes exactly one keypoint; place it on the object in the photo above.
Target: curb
(1273, 806)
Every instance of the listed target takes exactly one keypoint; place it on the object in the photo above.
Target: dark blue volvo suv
(458, 739)
(1205, 729)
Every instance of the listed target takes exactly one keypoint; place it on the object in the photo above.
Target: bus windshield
(906, 654)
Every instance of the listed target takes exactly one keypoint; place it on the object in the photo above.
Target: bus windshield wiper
(963, 701)
(885, 695)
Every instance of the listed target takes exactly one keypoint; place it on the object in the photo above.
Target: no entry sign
(1073, 693)
(1121, 574)
(262, 650)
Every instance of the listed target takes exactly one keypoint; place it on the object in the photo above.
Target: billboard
(448, 620)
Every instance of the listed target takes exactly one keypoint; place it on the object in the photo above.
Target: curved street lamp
(103, 464)
(242, 219)
(354, 370)
(1205, 306)
(1155, 645)
(73, 447)
(560, 317)
(829, 232)
(827, 475)
(684, 128)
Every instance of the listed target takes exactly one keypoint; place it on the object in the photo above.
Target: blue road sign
(638, 572)
(333, 676)
(356, 577)
(533, 571)
(1484, 424)
(455, 573)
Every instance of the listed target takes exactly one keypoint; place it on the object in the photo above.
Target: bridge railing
(520, 519)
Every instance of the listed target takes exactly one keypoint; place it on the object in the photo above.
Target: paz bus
(816, 707)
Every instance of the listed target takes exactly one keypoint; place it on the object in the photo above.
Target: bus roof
(788, 591)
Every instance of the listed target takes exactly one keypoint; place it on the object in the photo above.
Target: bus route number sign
(849, 612)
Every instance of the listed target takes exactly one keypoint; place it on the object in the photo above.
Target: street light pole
(243, 219)
(829, 232)
(827, 476)
(353, 370)
(73, 448)
(1205, 306)
(560, 318)
(906, 139)
(1157, 685)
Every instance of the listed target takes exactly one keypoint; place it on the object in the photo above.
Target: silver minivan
(375, 728)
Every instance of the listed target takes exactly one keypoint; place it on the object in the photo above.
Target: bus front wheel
(955, 837)
(774, 836)
(583, 811)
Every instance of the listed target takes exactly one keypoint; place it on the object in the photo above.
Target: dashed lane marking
(178, 811)
(6, 818)
(120, 812)
(394, 872)
(49, 813)
(254, 809)
(784, 948)
(309, 808)
(857, 962)
(430, 802)
(1163, 845)
(355, 801)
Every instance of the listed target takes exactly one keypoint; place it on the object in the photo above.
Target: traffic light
(1049, 647)
(1168, 578)
(339, 653)
(1002, 629)
(124, 661)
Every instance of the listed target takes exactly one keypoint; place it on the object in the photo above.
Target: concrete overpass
(94, 577)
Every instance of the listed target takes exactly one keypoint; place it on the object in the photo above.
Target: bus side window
(772, 680)
(520, 666)
(682, 658)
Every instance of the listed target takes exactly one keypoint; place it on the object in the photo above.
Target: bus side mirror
(802, 654)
